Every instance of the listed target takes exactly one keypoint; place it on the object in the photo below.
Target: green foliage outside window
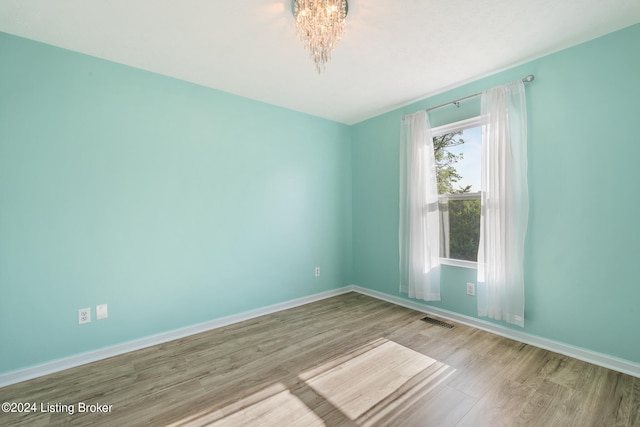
(464, 228)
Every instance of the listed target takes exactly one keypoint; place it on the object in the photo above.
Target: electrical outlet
(471, 289)
(317, 271)
(84, 315)
(101, 311)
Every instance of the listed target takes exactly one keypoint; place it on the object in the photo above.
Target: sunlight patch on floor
(370, 385)
(362, 386)
(281, 409)
(271, 406)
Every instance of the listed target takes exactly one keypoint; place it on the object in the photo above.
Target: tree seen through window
(457, 155)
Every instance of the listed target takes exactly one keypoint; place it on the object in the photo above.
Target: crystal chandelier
(320, 25)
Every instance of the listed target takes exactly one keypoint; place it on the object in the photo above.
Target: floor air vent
(437, 322)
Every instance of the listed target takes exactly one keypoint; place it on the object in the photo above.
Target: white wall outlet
(101, 311)
(84, 315)
(317, 271)
(471, 289)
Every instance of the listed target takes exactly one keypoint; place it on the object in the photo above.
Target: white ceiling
(393, 52)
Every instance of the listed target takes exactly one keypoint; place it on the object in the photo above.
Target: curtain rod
(456, 102)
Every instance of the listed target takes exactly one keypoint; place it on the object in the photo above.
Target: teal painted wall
(172, 203)
(177, 204)
(583, 240)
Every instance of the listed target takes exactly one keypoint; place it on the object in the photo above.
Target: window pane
(458, 151)
(460, 228)
(468, 165)
(457, 156)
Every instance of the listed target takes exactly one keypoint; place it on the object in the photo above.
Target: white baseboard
(93, 356)
(600, 359)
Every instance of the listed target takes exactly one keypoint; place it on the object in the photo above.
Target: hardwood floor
(350, 360)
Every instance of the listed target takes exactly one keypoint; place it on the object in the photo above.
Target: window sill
(459, 263)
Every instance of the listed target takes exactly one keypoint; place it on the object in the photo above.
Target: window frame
(460, 125)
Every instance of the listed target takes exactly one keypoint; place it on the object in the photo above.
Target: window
(457, 148)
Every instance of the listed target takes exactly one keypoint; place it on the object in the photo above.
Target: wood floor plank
(501, 405)
(634, 404)
(548, 406)
(443, 409)
(349, 361)
(478, 377)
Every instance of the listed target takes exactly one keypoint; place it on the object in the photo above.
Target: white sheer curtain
(419, 231)
(505, 204)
